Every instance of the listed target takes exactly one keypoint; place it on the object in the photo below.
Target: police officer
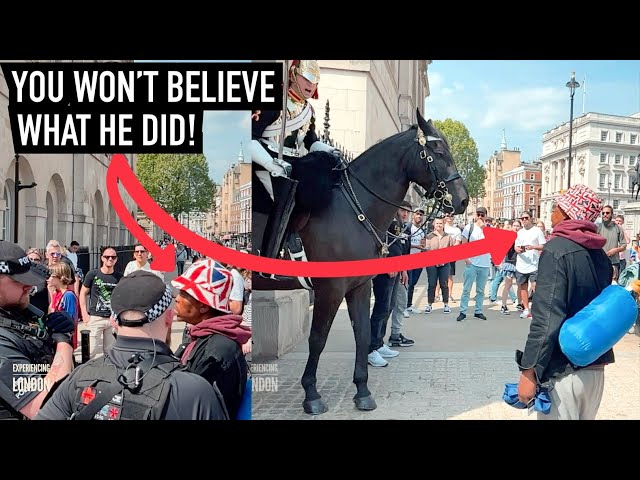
(139, 378)
(35, 349)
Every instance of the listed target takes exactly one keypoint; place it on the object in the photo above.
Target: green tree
(179, 183)
(465, 154)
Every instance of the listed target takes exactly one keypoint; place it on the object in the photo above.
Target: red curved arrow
(497, 242)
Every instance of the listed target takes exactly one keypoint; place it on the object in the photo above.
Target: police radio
(35, 312)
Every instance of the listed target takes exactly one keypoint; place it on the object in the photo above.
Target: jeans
(414, 275)
(495, 284)
(399, 303)
(180, 265)
(438, 274)
(478, 275)
(384, 291)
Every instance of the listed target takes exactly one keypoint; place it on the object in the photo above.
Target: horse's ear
(421, 121)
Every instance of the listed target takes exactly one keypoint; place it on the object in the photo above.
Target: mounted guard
(278, 142)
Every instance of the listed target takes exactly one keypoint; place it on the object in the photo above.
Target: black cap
(481, 210)
(143, 292)
(15, 264)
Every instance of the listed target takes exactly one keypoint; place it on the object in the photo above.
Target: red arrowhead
(164, 259)
(500, 242)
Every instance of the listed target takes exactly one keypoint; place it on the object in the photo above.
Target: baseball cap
(481, 210)
(15, 264)
(141, 291)
(208, 282)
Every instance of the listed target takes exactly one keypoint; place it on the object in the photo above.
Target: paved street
(455, 370)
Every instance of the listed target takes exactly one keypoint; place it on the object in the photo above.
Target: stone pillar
(280, 321)
(35, 227)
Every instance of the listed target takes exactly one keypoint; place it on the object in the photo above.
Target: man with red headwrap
(277, 197)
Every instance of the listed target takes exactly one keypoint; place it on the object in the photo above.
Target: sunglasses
(109, 257)
(607, 213)
(140, 251)
(55, 254)
(480, 214)
(525, 218)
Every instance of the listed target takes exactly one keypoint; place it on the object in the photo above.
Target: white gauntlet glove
(323, 147)
(278, 168)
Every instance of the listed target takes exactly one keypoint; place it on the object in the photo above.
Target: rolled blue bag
(596, 328)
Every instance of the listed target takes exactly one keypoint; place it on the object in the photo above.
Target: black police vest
(32, 342)
(106, 392)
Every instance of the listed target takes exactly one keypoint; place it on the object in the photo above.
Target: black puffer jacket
(569, 278)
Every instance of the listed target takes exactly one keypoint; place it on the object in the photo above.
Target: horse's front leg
(325, 306)
(358, 303)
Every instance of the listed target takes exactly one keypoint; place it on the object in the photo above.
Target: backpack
(139, 392)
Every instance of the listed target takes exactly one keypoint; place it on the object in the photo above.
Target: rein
(440, 193)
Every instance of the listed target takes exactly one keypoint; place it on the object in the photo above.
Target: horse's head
(434, 170)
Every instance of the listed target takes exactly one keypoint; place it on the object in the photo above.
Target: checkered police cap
(143, 292)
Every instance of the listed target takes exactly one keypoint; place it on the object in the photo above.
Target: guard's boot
(284, 190)
(295, 248)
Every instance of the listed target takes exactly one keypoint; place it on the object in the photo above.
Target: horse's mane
(374, 149)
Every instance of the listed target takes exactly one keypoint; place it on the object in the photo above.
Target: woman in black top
(508, 270)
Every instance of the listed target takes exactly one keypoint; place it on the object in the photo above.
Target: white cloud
(524, 109)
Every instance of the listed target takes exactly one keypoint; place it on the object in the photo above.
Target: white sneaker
(632, 330)
(405, 313)
(376, 360)
(386, 352)
(427, 309)
(525, 314)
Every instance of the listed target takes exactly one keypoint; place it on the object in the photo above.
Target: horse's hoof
(365, 403)
(315, 407)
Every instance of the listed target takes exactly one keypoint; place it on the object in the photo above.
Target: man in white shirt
(141, 256)
(454, 231)
(72, 253)
(476, 269)
(528, 246)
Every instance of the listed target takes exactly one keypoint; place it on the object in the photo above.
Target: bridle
(439, 192)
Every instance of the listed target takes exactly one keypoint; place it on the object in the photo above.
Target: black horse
(352, 226)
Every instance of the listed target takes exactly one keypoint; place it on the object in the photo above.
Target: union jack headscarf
(208, 282)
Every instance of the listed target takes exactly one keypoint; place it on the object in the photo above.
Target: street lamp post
(572, 85)
(609, 194)
(16, 204)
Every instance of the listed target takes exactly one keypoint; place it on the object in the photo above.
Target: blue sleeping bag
(599, 326)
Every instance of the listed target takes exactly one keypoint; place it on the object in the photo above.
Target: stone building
(230, 207)
(370, 100)
(501, 161)
(604, 152)
(69, 201)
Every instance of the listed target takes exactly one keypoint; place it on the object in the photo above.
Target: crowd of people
(556, 272)
(132, 371)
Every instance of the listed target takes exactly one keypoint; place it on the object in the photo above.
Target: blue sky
(526, 98)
